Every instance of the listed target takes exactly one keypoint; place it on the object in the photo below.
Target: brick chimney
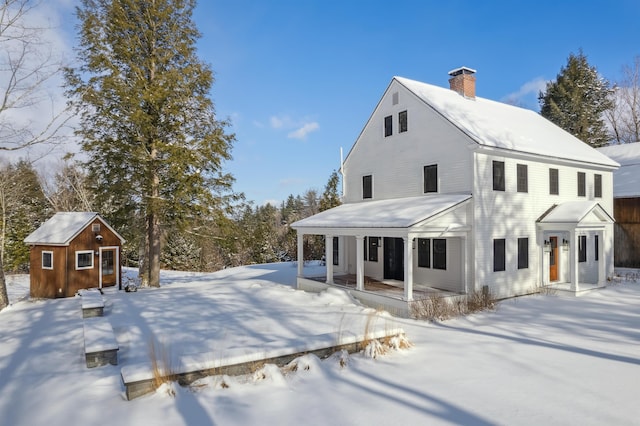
(463, 81)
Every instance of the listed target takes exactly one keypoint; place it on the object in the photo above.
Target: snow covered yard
(535, 360)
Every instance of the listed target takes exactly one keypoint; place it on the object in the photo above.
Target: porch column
(573, 261)
(408, 268)
(360, 262)
(328, 256)
(300, 253)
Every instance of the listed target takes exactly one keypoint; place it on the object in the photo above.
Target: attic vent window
(95, 227)
(394, 98)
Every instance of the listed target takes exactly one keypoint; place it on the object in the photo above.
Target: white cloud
(303, 131)
(526, 92)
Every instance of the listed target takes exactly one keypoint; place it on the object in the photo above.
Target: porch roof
(575, 212)
(391, 213)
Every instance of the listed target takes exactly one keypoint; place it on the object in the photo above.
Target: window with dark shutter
(336, 252)
(402, 121)
(597, 186)
(553, 182)
(523, 178)
(523, 253)
(367, 188)
(431, 178)
(498, 175)
(439, 253)
(424, 252)
(499, 254)
(582, 184)
(582, 248)
(388, 126)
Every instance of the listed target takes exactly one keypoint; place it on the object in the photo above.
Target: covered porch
(388, 253)
(577, 246)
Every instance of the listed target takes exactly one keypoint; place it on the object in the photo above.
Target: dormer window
(402, 121)
(388, 125)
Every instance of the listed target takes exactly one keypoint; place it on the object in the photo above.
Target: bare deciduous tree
(624, 116)
(29, 114)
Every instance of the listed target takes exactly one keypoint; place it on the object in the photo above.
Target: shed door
(109, 266)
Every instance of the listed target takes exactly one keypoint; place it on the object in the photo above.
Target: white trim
(78, 252)
(42, 259)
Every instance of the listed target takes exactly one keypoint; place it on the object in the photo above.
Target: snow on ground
(546, 359)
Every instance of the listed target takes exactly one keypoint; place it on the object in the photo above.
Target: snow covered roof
(391, 213)
(62, 228)
(575, 212)
(500, 125)
(626, 180)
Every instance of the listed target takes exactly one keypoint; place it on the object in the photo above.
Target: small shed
(73, 251)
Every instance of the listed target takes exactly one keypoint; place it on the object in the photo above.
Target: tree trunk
(143, 265)
(154, 250)
(4, 297)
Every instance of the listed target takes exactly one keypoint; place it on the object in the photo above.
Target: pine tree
(331, 196)
(148, 126)
(578, 100)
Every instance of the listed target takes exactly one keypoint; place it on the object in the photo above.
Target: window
(553, 182)
(499, 254)
(367, 187)
(582, 248)
(523, 180)
(431, 178)
(388, 125)
(402, 121)
(373, 249)
(523, 253)
(596, 247)
(597, 186)
(498, 175)
(84, 259)
(582, 184)
(95, 227)
(47, 260)
(439, 253)
(336, 252)
(424, 252)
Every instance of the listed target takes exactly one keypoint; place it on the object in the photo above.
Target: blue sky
(299, 79)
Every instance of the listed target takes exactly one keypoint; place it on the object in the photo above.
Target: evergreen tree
(331, 196)
(148, 126)
(578, 100)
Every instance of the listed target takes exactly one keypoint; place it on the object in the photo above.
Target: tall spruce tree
(577, 101)
(155, 147)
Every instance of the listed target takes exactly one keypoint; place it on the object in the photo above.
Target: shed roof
(504, 126)
(391, 213)
(626, 180)
(63, 227)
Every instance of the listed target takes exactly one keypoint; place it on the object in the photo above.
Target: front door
(108, 267)
(553, 259)
(393, 258)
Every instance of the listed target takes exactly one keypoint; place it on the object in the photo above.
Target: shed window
(553, 182)
(431, 178)
(597, 186)
(367, 186)
(523, 179)
(402, 121)
(499, 254)
(582, 184)
(582, 248)
(424, 252)
(439, 253)
(84, 259)
(498, 175)
(388, 125)
(47, 260)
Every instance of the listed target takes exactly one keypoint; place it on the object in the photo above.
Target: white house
(445, 191)
(626, 203)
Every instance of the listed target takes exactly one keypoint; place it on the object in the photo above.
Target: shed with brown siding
(626, 203)
(73, 251)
